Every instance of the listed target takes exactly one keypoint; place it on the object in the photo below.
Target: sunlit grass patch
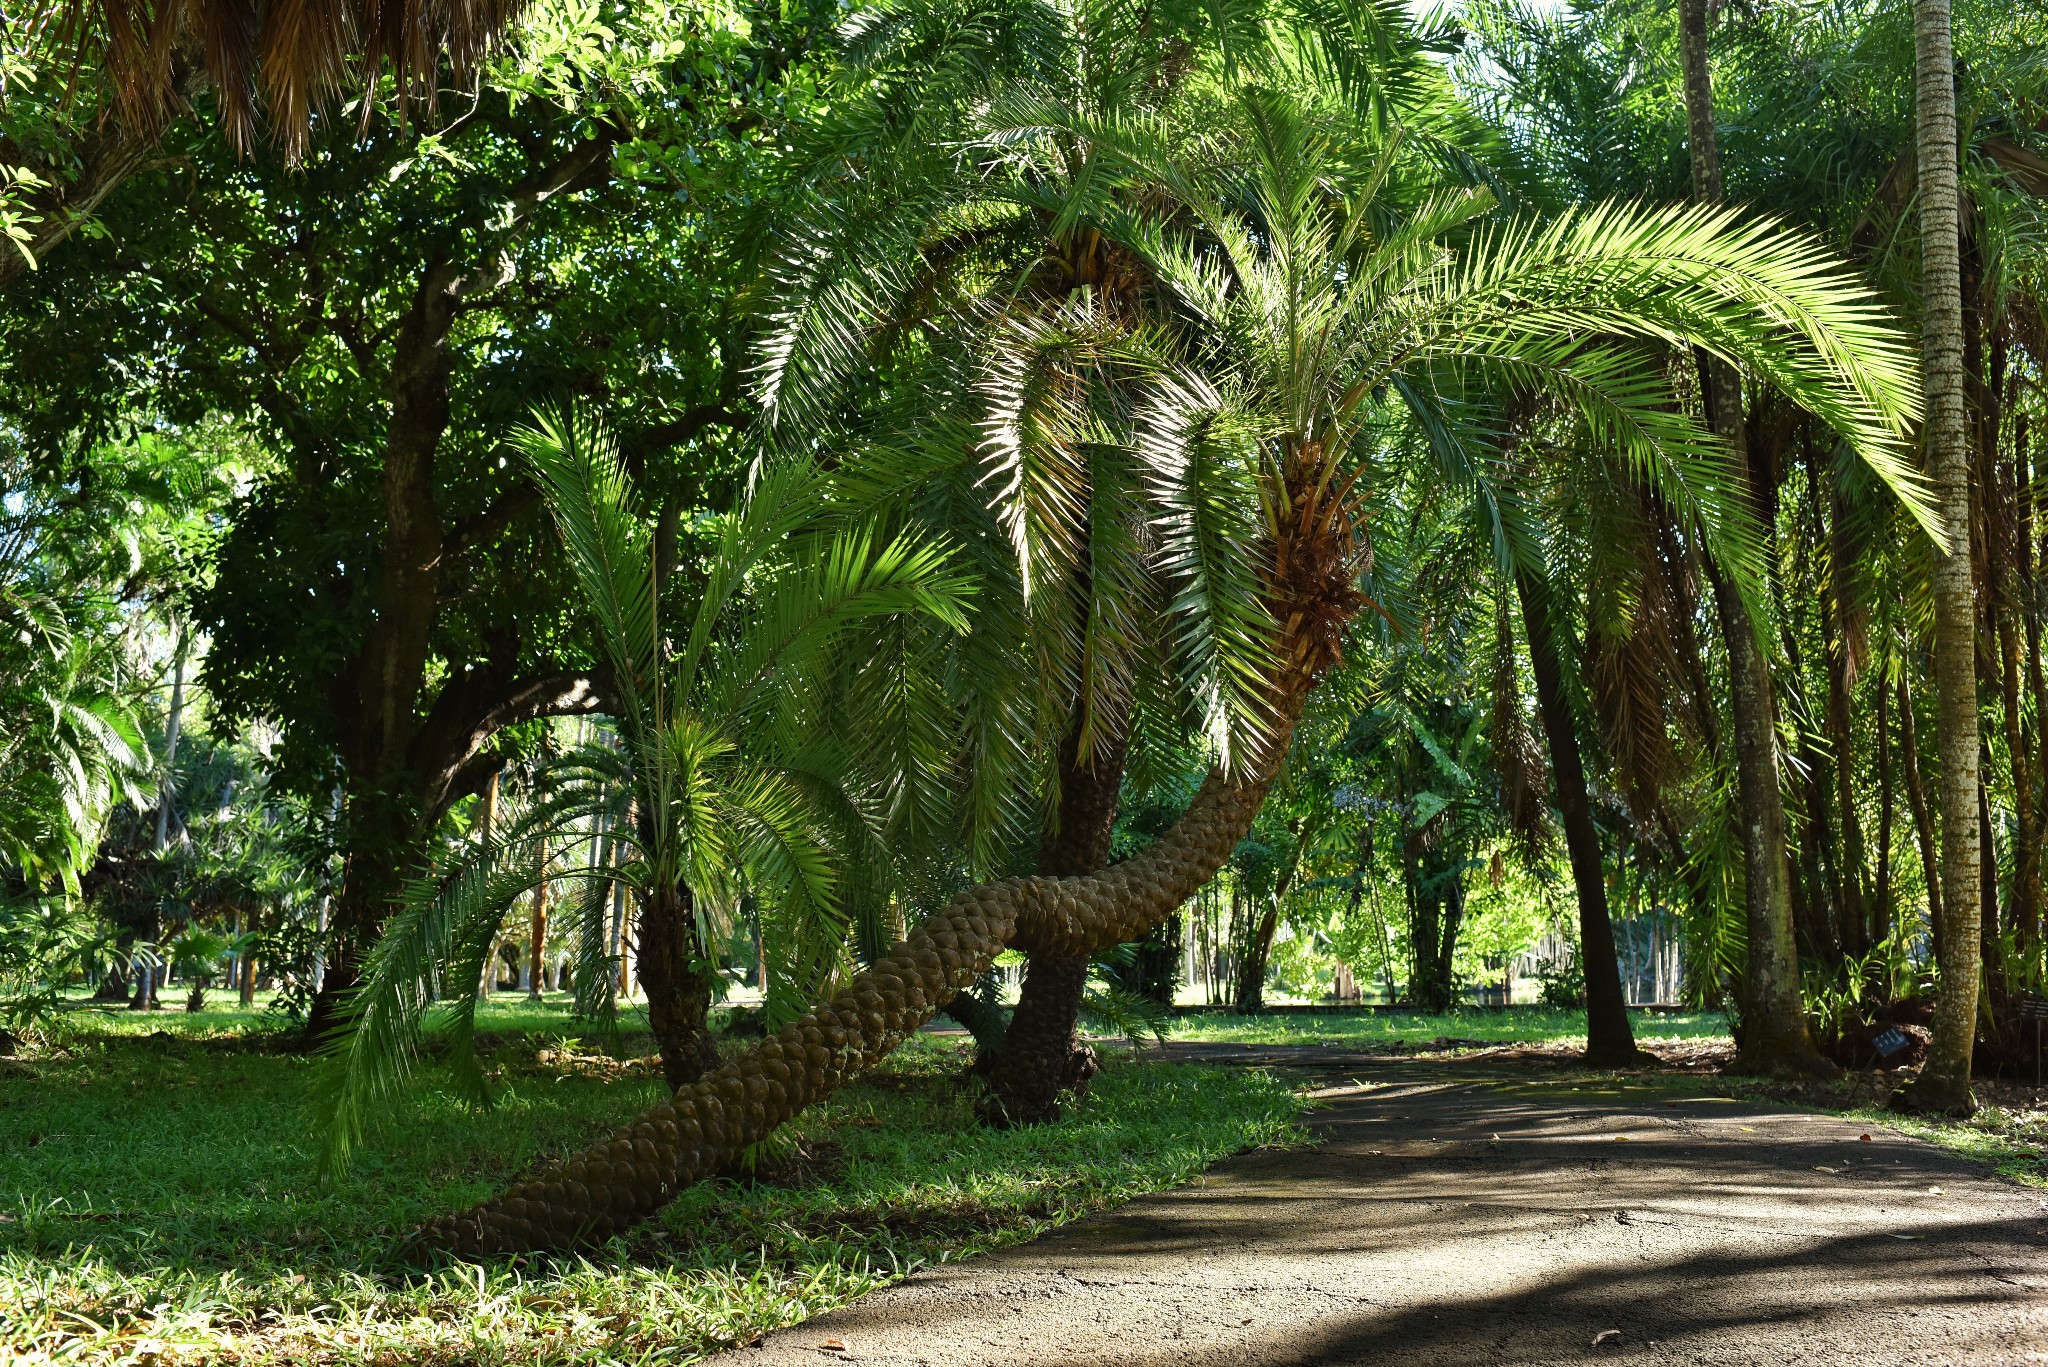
(2012, 1142)
(157, 1200)
(1382, 1029)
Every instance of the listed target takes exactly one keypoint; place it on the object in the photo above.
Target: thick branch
(475, 707)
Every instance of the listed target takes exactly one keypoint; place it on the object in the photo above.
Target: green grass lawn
(1381, 1029)
(157, 1197)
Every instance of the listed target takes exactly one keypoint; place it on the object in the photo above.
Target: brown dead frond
(280, 60)
(1318, 555)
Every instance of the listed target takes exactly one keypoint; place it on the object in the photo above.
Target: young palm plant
(1301, 308)
(716, 786)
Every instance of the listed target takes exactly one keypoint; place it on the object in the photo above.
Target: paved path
(1456, 1213)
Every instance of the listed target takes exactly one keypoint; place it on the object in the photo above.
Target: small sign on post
(2035, 1009)
(1892, 1041)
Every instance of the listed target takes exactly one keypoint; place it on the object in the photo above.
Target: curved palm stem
(619, 1181)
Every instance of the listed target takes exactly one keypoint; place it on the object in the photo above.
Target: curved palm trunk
(616, 1183)
(1610, 1039)
(1944, 1083)
(1042, 1054)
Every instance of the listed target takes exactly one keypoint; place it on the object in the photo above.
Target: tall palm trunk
(1944, 1083)
(614, 1184)
(1042, 1054)
(1610, 1040)
(1774, 1036)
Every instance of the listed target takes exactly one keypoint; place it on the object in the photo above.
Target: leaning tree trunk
(1610, 1039)
(1944, 1082)
(616, 1183)
(1774, 1036)
(1042, 1054)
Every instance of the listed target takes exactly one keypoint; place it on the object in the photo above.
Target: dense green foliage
(725, 478)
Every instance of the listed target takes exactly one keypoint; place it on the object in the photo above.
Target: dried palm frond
(285, 58)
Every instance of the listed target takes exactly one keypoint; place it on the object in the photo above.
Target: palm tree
(717, 786)
(1305, 314)
(1774, 1035)
(1944, 1083)
(1009, 260)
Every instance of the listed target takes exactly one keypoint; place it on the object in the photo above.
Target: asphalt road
(1474, 1214)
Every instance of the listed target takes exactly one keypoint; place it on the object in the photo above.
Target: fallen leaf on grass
(1607, 1338)
(1864, 1137)
(833, 1345)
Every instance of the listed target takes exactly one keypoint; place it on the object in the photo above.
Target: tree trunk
(1944, 1082)
(403, 766)
(1610, 1039)
(1923, 819)
(2030, 774)
(618, 1182)
(537, 943)
(1887, 807)
(1774, 1037)
(1042, 1053)
(677, 980)
(1159, 962)
(1250, 996)
(1251, 972)
(1853, 929)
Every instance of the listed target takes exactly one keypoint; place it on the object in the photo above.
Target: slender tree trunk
(1987, 874)
(1944, 1082)
(1923, 817)
(1854, 929)
(1887, 806)
(1250, 997)
(537, 943)
(1251, 973)
(149, 975)
(1774, 1036)
(2035, 772)
(1610, 1038)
